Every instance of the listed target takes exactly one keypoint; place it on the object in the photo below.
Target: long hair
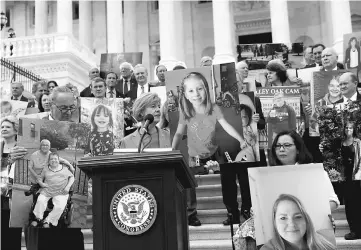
(186, 106)
(313, 240)
(353, 39)
(164, 118)
(303, 156)
(98, 110)
(354, 133)
(40, 103)
(248, 111)
(280, 69)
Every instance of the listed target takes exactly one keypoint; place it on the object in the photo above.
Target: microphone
(148, 120)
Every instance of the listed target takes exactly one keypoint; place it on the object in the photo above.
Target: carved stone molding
(50, 68)
(245, 6)
(253, 26)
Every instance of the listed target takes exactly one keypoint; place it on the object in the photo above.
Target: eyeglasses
(285, 146)
(65, 109)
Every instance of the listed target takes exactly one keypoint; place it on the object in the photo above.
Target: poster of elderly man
(49, 172)
(112, 61)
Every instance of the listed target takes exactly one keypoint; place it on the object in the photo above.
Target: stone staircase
(212, 235)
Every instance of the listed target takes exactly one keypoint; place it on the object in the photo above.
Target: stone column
(4, 30)
(41, 17)
(115, 26)
(171, 33)
(85, 23)
(65, 16)
(279, 22)
(130, 26)
(339, 19)
(224, 32)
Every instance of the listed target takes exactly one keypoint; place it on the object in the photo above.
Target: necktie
(142, 89)
(125, 86)
(111, 94)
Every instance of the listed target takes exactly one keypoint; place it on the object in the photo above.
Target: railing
(12, 72)
(22, 176)
(46, 44)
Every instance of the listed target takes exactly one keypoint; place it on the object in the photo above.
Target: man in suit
(348, 85)
(308, 57)
(127, 80)
(317, 53)
(142, 86)
(160, 70)
(17, 89)
(94, 72)
(111, 80)
(329, 60)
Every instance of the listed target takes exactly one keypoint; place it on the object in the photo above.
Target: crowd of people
(61, 103)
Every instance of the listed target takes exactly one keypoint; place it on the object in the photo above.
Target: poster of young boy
(106, 119)
(55, 176)
(281, 108)
(293, 191)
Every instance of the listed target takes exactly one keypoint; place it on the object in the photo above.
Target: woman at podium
(147, 103)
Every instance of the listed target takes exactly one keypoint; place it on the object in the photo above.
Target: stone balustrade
(45, 44)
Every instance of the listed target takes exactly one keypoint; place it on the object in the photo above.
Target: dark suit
(120, 88)
(117, 94)
(23, 99)
(86, 92)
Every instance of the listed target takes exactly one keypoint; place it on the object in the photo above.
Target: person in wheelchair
(56, 181)
(38, 160)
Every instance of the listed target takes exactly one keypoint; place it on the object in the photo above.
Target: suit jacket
(134, 91)
(262, 122)
(132, 140)
(117, 94)
(119, 86)
(23, 99)
(358, 97)
(86, 92)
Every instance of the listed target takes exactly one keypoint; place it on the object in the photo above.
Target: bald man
(329, 59)
(348, 84)
(242, 70)
(93, 73)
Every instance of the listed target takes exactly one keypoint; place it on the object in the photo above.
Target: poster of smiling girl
(106, 117)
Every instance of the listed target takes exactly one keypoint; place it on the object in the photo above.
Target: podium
(139, 200)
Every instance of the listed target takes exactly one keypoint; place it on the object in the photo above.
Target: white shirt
(335, 68)
(353, 98)
(353, 58)
(146, 88)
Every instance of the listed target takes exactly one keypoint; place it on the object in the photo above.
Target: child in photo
(101, 141)
(198, 118)
(56, 181)
(6, 108)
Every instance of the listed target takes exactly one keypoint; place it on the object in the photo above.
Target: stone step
(211, 232)
(210, 179)
(342, 228)
(211, 190)
(211, 244)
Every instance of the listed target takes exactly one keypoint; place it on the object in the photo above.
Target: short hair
(21, 84)
(126, 64)
(353, 76)
(178, 67)
(13, 120)
(35, 87)
(156, 68)
(142, 102)
(248, 111)
(53, 154)
(57, 90)
(279, 68)
(98, 79)
(303, 156)
(52, 81)
(106, 111)
(111, 72)
(140, 66)
(318, 45)
(45, 140)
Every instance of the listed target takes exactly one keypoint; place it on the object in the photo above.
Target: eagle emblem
(133, 212)
(133, 209)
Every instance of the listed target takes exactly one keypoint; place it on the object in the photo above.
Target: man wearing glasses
(63, 106)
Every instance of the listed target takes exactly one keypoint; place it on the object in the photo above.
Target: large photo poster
(48, 187)
(112, 61)
(105, 117)
(352, 53)
(283, 191)
(281, 108)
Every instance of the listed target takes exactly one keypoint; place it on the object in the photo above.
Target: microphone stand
(140, 142)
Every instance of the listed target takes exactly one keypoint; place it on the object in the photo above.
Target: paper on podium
(134, 150)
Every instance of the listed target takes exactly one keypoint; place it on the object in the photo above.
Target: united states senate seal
(133, 210)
